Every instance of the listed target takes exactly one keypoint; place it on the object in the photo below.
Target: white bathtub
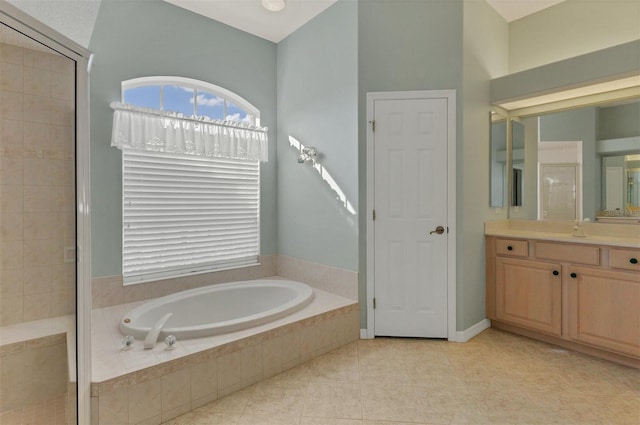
(216, 309)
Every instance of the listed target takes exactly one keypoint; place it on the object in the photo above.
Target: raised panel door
(604, 309)
(528, 294)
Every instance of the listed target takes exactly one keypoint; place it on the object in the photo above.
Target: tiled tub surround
(330, 279)
(36, 185)
(109, 291)
(153, 386)
(37, 365)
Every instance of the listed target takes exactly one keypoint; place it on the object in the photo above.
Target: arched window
(191, 155)
(190, 98)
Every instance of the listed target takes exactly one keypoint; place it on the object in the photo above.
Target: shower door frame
(38, 31)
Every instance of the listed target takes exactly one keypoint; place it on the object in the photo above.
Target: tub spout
(152, 336)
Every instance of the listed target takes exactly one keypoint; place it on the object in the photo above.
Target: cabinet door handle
(633, 260)
(510, 248)
(573, 275)
(556, 272)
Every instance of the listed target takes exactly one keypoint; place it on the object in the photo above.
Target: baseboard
(467, 334)
(364, 334)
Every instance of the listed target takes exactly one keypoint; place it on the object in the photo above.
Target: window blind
(186, 214)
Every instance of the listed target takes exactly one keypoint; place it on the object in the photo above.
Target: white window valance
(163, 131)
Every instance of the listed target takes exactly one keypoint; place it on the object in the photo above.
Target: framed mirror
(577, 163)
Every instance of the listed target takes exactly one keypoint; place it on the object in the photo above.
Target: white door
(410, 203)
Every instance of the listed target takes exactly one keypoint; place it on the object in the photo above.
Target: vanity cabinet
(528, 293)
(585, 297)
(604, 309)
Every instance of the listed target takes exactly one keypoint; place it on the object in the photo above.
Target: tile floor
(497, 378)
(49, 412)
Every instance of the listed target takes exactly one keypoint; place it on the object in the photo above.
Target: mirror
(498, 158)
(517, 163)
(575, 164)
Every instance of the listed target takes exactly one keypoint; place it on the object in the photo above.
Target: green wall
(484, 56)
(404, 45)
(317, 105)
(619, 121)
(571, 28)
(144, 38)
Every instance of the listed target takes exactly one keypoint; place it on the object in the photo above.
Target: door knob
(439, 230)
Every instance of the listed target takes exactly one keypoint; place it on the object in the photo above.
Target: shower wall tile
(36, 59)
(62, 85)
(11, 105)
(37, 136)
(37, 306)
(37, 199)
(37, 81)
(11, 77)
(62, 65)
(11, 310)
(11, 199)
(36, 183)
(11, 283)
(37, 280)
(36, 109)
(12, 133)
(33, 371)
(11, 54)
(11, 170)
(11, 254)
(11, 227)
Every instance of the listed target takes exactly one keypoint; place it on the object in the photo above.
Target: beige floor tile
(206, 418)
(340, 400)
(496, 378)
(391, 402)
(326, 421)
(233, 403)
(247, 419)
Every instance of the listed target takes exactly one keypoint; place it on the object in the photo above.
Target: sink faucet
(152, 336)
(578, 231)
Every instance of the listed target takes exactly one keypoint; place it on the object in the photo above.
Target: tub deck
(109, 361)
(153, 386)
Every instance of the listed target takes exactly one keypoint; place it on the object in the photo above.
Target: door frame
(450, 96)
(31, 27)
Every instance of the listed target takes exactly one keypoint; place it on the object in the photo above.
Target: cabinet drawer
(512, 247)
(627, 259)
(571, 253)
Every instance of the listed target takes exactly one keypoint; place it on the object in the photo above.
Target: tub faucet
(152, 336)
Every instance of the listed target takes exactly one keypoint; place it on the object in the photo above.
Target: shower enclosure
(44, 267)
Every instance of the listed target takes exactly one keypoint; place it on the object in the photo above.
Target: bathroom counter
(620, 235)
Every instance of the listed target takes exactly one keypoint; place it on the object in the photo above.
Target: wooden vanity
(581, 294)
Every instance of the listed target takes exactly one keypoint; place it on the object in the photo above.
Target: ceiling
(511, 10)
(251, 17)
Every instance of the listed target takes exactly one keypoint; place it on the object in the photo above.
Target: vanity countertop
(621, 235)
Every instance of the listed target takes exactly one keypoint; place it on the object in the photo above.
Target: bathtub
(216, 309)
